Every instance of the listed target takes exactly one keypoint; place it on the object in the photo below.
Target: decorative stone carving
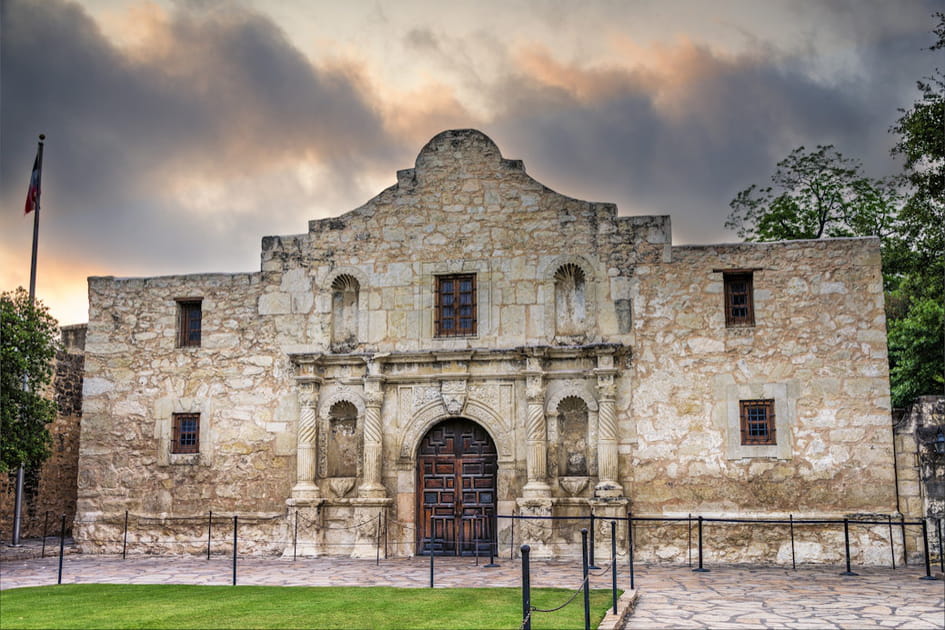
(341, 486)
(453, 394)
(573, 485)
(305, 487)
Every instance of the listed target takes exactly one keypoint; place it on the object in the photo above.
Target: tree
(816, 194)
(916, 322)
(28, 345)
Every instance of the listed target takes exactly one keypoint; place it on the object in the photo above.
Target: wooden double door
(456, 490)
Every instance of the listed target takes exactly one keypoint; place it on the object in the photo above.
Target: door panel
(456, 490)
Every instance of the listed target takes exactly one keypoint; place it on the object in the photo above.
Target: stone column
(607, 462)
(537, 431)
(371, 486)
(305, 486)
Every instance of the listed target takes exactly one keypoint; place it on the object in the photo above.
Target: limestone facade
(596, 357)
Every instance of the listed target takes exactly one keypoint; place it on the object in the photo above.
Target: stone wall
(601, 367)
(920, 469)
(52, 489)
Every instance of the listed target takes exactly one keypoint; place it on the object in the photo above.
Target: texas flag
(32, 196)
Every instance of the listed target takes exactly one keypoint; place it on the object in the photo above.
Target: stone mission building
(470, 343)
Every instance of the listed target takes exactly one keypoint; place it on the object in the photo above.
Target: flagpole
(20, 472)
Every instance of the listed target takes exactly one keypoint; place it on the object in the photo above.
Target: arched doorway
(456, 490)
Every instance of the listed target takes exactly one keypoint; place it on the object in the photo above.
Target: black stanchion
(613, 562)
(793, 558)
(892, 545)
(925, 547)
(905, 550)
(526, 590)
(295, 537)
(689, 521)
(512, 542)
(431, 561)
(587, 593)
(377, 541)
(209, 531)
(700, 569)
(941, 555)
(235, 524)
(630, 546)
(846, 545)
(42, 554)
(62, 546)
(593, 564)
(124, 537)
(493, 544)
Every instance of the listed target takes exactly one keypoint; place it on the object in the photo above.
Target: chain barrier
(574, 595)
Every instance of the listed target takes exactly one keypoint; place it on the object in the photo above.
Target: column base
(305, 491)
(372, 491)
(369, 523)
(608, 490)
(536, 490)
(303, 525)
(537, 534)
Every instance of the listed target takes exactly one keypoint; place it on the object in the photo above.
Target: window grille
(739, 300)
(189, 323)
(186, 433)
(455, 305)
(757, 422)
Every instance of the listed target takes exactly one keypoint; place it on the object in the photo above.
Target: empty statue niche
(570, 301)
(344, 313)
(572, 435)
(343, 440)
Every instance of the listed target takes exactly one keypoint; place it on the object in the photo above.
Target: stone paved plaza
(668, 596)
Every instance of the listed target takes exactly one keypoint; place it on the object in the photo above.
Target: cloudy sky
(180, 133)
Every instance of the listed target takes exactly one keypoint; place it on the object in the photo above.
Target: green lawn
(181, 606)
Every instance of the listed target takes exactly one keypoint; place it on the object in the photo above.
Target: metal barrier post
(234, 548)
(892, 545)
(941, 556)
(430, 548)
(846, 545)
(62, 546)
(512, 541)
(925, 546)
(209, 531)
(124, 538)
(689, 521)
(700, 569)
(587, 594)
(793, 558)
(905, 551)
(295, 537)
(526, 590)
(593, 564)
(493, 543)
(377, 541)
(630, 545)
(46, 526)
(613, 562)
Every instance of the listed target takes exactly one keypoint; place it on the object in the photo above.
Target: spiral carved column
(536, 432)
(371, 485)
(607, 456)
(305, 487)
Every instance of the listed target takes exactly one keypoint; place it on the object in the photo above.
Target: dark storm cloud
(611, 136)
(216, 94)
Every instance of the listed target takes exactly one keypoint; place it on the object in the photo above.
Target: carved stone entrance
(456, 490)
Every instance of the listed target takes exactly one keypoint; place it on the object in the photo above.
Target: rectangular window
(739, 300)
(189, 323)
(757, 422)
(455, 305)
(186, 433)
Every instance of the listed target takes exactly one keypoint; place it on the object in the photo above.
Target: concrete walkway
(668, 597)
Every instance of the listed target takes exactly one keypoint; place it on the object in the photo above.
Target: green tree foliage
(29, 339)
(915, 307)
(815, 194)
